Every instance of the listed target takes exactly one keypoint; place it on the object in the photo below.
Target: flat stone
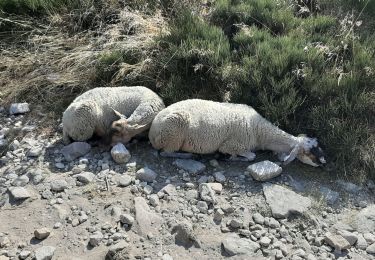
(20, 181)
(336, 241)
(75, 150)
(58, 185)
(126, 219)
(42, 233)
(258, 218)
(364, 221)
(263, 171)
(191, 166)
(361, 242)
(19, 108)
(265, 241)
(169, 189)
(220, 177)
(44, 252)
(234, 245)
(19, 193)
(120, 154)
(216, 187)
(96, 238)
(85, 177)
(24, 254)
(284, 202)
(117, 247)
(148, 222)
(146, 174)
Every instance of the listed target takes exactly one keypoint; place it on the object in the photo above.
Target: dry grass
(44, 64)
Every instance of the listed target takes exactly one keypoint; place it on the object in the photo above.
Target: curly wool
(202, 126)
(92, 112)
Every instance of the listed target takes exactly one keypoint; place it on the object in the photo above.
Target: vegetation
(293, 61)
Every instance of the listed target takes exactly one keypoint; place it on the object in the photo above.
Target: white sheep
(202, 126)
(94, 111)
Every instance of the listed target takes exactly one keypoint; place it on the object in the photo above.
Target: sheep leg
(250, 156)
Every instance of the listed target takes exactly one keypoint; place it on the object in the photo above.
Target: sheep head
(122, 131)
(306, 150)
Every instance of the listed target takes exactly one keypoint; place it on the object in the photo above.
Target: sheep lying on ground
(201, 126)
(94, 111)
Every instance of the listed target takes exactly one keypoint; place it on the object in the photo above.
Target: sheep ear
(119, 114)
(293, 154)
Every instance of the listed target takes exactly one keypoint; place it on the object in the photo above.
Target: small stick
(107, 183)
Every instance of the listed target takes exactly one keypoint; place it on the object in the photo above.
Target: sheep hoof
(249, 155)
(244, 157)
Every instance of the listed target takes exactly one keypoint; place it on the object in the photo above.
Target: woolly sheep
(202, 126)
(94, 111)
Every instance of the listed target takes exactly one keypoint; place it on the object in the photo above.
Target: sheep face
(310, 153)
(119, 132)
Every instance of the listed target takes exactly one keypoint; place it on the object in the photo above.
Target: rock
(85, 177)
(147, 189)
(169, 189)
(59, 185)
(3, 143)
(59, 165)
(258, 218)
(234, 245)
(185, 235)
(75, 222)
(19, 108)
(218, 215)
(191, 166)
(44, 253)
(265, 170)
(35, 152)
(370, 238)
(202, 206)
(148, 222)
(75, 150)
(20, 181)
(154, 200)
(3, 257)
(120, 154)
(19, 193)
(167, 257)
(4, 242)
(265, 241)
(336, 241)
(206, 193)
(124, 181)
(42, 233)
(349, 236)
(330, 195)
(235, 223)
(273, 223)
(364, 221)
(112, 250)
(96, 238)
(219, 177)
(24, 254)
(371, 249)
(284, 202)
(126, 219)
(361, 242)
(216, 187)
(146, 174)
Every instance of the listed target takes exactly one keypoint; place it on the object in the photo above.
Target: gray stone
(284, 202)
(167, 257)
(236, 223)
(75, 150)
(3, 143)
(265, 241)
(35, 152)
(273, 223)
(364, 221)
(258, 218)
(216, 187)
(336, 241)
(361, 242)
(124, 181)
(148, 222)
(371, 249)
(234, 245)
(42, 233)
(117, 247)
(146, 174)
(24, 254)
(369, 237)
(330, 195)
(85, 177)
(59, 165)
(191, 166)
(202, 206)
(349, 236)
(265, 170)
(218, 215)
(219, 177)
(20, 181)
(4, 242)
(19, 193)
(120, 154)
(206, 193)
(96, 238)
(154, 200)
(169, 189)
(19, 108)
(44, 253)
(59, 185)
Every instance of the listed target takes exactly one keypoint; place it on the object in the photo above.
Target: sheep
(203, 127)
(94, 111)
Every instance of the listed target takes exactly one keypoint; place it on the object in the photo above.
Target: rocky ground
(75, 202)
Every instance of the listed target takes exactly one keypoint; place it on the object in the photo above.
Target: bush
(309, 75)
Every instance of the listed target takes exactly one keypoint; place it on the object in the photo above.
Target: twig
(106, 183)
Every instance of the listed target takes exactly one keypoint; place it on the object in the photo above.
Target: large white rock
(234, 245)
(147, 221)
(265, 170)
(19, 193)
(44, 253)
(191, 166)
(146, 174)
(75, 150)
(19, 108)
(284, 202)
(120, 154)
(337, 241)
